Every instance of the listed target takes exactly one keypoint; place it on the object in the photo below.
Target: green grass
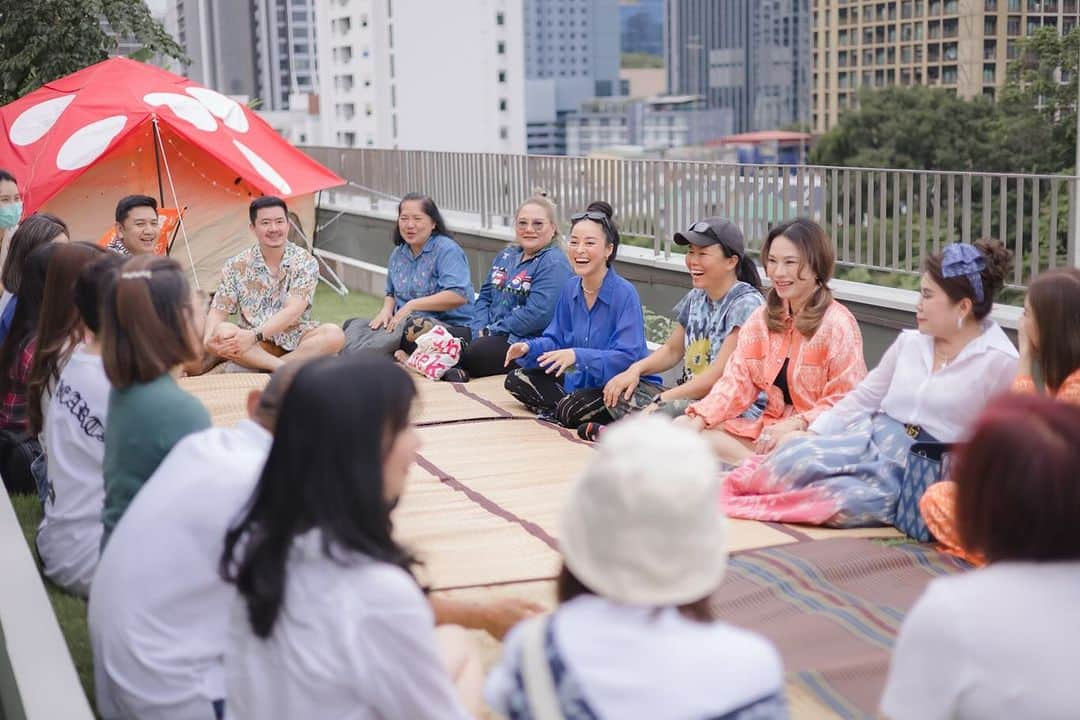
(333, 308)
(70, 610)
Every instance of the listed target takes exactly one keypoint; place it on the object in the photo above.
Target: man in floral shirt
(270, 287)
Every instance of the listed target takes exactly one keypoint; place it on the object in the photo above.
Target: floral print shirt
(248, 287)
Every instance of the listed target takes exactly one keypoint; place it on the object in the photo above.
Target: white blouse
(944, 403)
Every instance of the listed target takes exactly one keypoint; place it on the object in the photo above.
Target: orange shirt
(1068, 392)
(822, 369)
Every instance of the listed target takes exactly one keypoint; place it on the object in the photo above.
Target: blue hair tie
(963, 259)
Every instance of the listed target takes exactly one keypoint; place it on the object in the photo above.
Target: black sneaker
(590, 431)
(455, 375)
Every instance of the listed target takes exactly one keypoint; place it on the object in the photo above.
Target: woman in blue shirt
(517, 301)
(427, 276)
(598, 330)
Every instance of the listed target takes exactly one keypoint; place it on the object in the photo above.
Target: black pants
(485, 356)
(543, 393)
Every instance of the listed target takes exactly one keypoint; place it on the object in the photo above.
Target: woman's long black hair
(24, 320)
(430, 209)
(325, 471)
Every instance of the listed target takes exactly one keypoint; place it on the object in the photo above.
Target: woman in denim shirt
(598, 330)
(427, 276)
(517, 301)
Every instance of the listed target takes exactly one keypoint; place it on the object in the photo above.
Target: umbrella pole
(157, 165)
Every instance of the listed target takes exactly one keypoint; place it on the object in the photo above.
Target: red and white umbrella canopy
(52, 135)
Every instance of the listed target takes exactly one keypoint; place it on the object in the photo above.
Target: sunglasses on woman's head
(595, 215)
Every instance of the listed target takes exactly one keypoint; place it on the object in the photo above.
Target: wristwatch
(258, 335)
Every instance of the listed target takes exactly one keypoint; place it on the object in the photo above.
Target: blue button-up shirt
(441, 265)
(518, 299)
(605, 340)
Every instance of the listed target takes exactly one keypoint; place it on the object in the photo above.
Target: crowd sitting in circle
(596, 332)
(802, 348)
(727, 289)
(246, 547)
(845, 470)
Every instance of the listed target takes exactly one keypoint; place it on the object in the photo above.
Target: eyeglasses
(535, 224)
(595, 215)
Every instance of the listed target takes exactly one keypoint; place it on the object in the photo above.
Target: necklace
(588, 291)
(941, 360)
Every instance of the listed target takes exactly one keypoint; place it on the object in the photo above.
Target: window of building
(949, 74)
(502, 76)
(989, 73)
(500, 47)
(502, 104)
(500, 18)
(504, 133)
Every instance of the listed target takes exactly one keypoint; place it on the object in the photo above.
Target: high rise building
(261, 49)
(750, 56)
(392, 73)
(571, 55)
(285, 50)
(218, 37)
(642, 26)
(961, 45)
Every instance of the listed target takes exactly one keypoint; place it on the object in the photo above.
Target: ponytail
(746, 271)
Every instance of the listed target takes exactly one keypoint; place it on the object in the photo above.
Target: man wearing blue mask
(11, 209)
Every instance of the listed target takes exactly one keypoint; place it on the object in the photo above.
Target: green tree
(42, 40)
(908, 128)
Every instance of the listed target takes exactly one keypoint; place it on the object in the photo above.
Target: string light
(214, 183)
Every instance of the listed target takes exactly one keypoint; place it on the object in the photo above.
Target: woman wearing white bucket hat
(643, 544)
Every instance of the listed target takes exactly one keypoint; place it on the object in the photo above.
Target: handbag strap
(536, 671)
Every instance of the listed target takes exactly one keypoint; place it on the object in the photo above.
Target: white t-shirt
(643, 662)
(1001, 642)
(158, 607)
(73, 434)
(354, 641)
(944, 403)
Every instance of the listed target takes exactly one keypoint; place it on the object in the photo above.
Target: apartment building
(748, 56)
(414, 74)
(961, 45)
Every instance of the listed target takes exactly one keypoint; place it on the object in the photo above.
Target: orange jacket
(823, 368)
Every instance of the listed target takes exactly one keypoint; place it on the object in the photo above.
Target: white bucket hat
(643, 525)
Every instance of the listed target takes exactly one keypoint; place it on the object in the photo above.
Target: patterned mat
(833, 609)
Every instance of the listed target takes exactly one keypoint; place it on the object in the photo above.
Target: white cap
(643, 524)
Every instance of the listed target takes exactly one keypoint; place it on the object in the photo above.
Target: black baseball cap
(714, 231)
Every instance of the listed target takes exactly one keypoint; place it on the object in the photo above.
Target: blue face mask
(9, 215)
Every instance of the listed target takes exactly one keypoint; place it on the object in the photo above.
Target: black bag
(17, 453)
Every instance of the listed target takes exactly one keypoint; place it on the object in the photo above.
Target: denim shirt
(441, 265)
(605, 340)
(518, 298)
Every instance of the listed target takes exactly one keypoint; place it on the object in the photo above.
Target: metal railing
(884, 220)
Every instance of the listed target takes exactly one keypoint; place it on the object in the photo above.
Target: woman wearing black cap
(726, 290)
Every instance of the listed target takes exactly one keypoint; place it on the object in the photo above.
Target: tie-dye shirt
(707, 323)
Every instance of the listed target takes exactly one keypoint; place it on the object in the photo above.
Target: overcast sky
(157, 7)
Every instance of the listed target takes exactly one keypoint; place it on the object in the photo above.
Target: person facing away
(136, 226)
(1049, 358)
(846, 470)
(597, 331)
(329, 619)
(803, 349)
(271, 285)
(517, 301)
(643, 545)
(427, 277)
(149, 329)
(18, 447)
(159, 652)
(1000, 641)
(726, 291)
(37, 230)
(69, 537)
